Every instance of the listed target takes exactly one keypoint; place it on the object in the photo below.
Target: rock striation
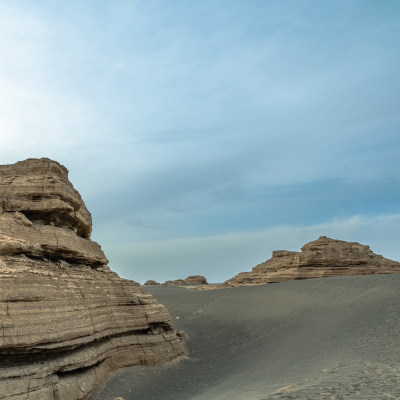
(323, 257)
(66, 319)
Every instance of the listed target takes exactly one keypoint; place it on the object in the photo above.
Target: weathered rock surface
(324, 257)
(40, 189)
(66, 318)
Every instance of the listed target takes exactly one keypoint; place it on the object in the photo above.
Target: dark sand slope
(336, 338)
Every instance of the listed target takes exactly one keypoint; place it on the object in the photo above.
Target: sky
(203, 135)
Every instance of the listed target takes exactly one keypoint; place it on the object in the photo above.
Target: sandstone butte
(323, 257)
(67, 320)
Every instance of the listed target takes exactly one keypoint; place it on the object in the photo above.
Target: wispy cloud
(196, 119)
(222, 256)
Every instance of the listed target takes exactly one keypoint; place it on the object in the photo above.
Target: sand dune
(335, 338)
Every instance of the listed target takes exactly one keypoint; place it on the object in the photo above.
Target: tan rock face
(66, 318)
(40, 189)
(324, 257)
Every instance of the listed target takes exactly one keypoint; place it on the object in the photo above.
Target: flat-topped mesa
(323, 257)
(67, 319)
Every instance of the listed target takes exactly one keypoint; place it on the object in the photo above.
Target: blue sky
(204, 135)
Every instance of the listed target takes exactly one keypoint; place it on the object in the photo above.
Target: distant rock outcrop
(175, 282)
(151, 283)
(66, 318)
(196, 280)
(324, 257)
(190, 280)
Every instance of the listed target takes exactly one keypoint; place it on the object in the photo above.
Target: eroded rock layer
(324, 257)
(66, 318)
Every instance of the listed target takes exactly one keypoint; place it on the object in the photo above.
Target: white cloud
(40, 113)
(37, 121)
(177, 120)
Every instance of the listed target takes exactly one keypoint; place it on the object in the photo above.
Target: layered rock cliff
(66, 318)
(324, 257)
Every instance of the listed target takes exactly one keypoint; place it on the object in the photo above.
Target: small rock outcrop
(196, 280)
(190, 280)
(176, 282)
(66, 318)
(324, 257)
(151, 283)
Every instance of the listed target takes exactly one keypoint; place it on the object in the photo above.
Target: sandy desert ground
(330, 338)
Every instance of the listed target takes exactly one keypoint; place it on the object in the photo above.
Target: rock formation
(66, 318)
(324, 257)
(190, 280)
(151, 283)
(196, 280)
(176, 282)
